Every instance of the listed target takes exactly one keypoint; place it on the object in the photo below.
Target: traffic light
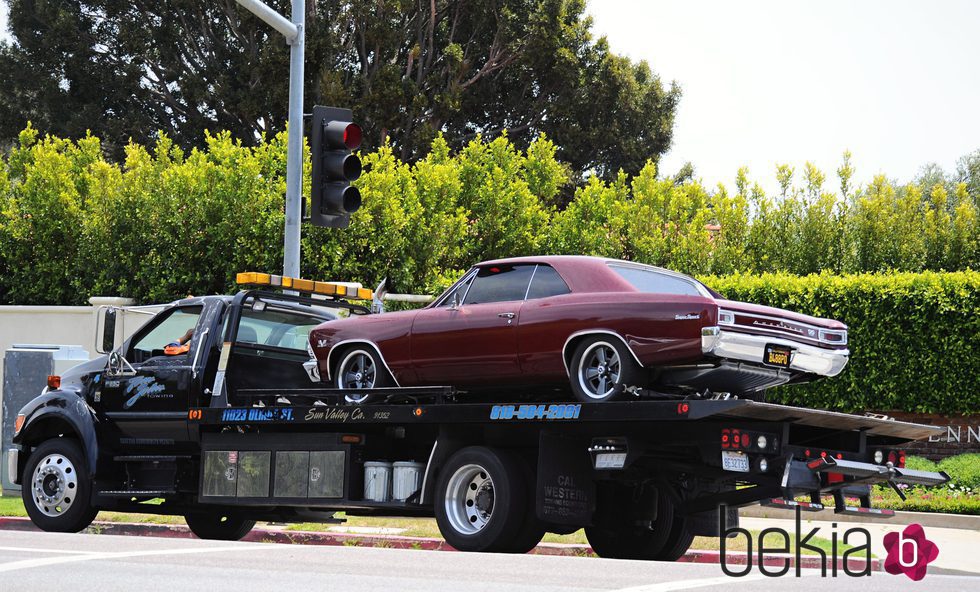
(332, 139)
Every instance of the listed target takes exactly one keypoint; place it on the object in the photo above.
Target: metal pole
(294, 154)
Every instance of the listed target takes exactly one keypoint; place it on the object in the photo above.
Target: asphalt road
(102, 563)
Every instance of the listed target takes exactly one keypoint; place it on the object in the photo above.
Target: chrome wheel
(599, 370)
(357, 371)
(54, 484)
(469, 499)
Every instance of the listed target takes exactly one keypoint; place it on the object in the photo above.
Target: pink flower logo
(909, 552)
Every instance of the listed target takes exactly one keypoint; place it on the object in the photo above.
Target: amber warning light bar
(340, 290)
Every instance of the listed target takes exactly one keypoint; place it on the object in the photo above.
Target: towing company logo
(909, 552)
(145, 387)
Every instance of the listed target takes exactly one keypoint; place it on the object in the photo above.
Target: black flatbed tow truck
(232, 430)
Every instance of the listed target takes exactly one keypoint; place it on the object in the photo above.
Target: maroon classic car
(602, 326)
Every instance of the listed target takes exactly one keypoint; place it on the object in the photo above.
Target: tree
(410, 69)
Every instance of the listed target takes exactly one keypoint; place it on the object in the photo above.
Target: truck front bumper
(751, 348)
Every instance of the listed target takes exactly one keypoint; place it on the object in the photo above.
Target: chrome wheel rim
(54, 485)
(358, 371)
(599, 370)
(469, 499)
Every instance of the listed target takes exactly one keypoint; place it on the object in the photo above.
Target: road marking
(705, 582)
(36, 550)
(29, 563)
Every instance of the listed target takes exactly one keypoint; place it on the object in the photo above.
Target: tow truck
(233, 426)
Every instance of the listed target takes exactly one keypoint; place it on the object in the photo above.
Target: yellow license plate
(777, 355)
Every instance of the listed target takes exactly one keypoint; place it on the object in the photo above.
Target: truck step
(778, 502)
(861, 511)
(148, 458)
(137, 493)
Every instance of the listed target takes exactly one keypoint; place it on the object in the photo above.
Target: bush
(913, 337)
(918, 463)
(963, 470)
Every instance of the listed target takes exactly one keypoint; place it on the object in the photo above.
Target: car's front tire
(360, 368)
(56, 487)
(601, 368)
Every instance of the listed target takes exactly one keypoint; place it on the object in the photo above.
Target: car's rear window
(648, 280)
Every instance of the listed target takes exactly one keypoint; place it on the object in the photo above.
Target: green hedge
(914, 338)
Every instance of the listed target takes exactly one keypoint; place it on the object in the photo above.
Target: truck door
(149, 408)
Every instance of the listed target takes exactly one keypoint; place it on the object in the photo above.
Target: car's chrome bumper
(751, 348)
(13, 460)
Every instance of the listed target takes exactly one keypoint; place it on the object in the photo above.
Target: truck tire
(481, 501)
(678, 541)
(57, 487)
(631, 541)
(219, 527)
(601, 367)
(360, 367)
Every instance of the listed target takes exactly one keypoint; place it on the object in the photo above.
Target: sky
(895, 82)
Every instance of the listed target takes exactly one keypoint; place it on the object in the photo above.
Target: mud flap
(565, 489)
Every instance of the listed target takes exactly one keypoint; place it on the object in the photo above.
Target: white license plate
(734, 461)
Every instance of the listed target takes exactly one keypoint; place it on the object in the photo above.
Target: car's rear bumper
(731, 345)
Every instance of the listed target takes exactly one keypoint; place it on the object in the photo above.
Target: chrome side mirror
(454, 303)
(119, 366)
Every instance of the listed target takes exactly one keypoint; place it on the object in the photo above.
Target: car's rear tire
(602, 366)
(358, 368)
(219, 527)
(481, 501)
(56, 487)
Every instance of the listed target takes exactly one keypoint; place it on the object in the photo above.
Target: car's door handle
(506, 315)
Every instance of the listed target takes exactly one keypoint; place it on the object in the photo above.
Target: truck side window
(171, 328)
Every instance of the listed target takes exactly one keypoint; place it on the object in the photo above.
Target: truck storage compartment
(253, 469)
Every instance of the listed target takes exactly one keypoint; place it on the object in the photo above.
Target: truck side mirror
(107, 321)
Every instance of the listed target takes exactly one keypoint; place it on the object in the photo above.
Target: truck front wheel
(57, 488)
(219, 527)
(481, 502)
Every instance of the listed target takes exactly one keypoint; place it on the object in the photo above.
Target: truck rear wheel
(57, 488)
(678, 541)
(481, 502)
(633, 541)
(219, 527)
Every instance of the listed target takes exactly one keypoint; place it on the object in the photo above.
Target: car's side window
(546, 282)
(648, 280)
(171, 328)
(458, 292)
(499, 283)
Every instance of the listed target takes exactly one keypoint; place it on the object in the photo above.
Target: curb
(931, 519)
(297, 537)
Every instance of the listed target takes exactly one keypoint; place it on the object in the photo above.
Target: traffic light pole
(293, 31)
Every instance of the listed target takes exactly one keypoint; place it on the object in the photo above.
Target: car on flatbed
(238, 428)
(602, 327)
